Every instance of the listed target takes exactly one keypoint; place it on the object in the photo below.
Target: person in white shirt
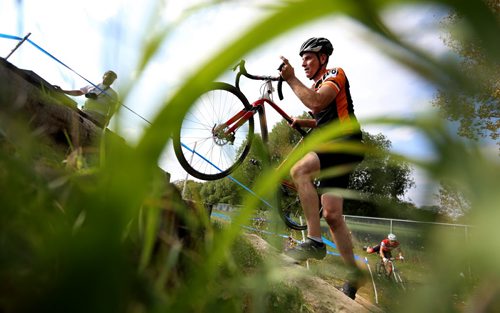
(101, 101)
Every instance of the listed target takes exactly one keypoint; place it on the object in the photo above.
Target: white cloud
(418, 25)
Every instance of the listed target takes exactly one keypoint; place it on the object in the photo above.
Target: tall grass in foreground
(84, 242)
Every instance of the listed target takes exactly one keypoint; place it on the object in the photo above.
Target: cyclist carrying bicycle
(384, 249)
(329, 101)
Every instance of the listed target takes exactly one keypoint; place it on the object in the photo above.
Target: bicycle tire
(203, 154)
(395, 277)
(380, 269)
(399, 280)
(290, 209)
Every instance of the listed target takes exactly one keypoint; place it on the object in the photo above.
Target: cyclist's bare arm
(400, 255)
(76, 92)
(308, 123)
(316, 101)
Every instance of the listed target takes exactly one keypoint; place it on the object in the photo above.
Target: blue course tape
(329, 243)
(10, 37)
(229, 176)
(220, 215)
(326, 241)
(264, 231)
(53, 57)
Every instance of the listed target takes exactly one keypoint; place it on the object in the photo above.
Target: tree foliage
(381, 177)
(220, 191)
(282, 139)
(380, 173)
(190, 189)
(478, 113)
(453, 200)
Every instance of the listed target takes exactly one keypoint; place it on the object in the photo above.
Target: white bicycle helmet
(391, 237)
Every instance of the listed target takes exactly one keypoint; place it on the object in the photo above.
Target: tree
(478, 114)
(220, 191)
(380, 173)
(382, 177)
(191, 190)
(282, 139)
(452, 201)
(247, 172)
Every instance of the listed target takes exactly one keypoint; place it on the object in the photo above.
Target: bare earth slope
(319, 295)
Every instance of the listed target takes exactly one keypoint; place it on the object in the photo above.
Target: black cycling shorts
(387, 254)
(330, 160)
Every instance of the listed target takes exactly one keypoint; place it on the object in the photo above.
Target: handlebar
(280, 82)
(243, 71)
(392, 259)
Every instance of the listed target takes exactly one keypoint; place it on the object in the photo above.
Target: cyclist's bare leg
(303, 173)
(332, 212)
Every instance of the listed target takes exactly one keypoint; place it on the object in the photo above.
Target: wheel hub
(220, 137)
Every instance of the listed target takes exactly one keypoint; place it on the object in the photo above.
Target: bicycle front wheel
(380, 269)
(399, 280)
(202, 146)
(290, 208)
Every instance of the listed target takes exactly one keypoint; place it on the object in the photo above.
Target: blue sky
(94, 36)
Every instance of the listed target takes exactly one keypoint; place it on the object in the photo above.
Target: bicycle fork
(222, 134)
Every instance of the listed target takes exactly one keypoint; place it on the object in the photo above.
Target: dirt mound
(319, 295)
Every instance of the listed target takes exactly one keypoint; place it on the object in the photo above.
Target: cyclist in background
(384, 249)
(329, 100)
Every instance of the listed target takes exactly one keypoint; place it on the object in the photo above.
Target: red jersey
(386, 245)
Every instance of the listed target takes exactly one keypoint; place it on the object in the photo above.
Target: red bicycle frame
(232, 124)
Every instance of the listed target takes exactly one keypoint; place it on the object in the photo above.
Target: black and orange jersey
(342, 106)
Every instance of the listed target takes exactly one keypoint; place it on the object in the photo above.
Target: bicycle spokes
(205, 146)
